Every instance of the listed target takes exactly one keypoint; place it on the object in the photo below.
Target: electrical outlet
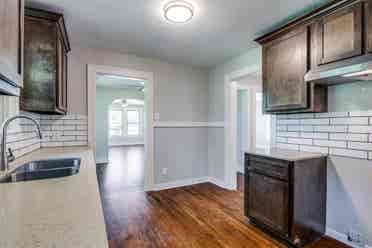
(164, 171)
(355, 237)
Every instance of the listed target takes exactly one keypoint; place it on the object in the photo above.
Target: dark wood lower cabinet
(287, 198)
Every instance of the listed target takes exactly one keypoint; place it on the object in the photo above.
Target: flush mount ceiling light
(178, 11)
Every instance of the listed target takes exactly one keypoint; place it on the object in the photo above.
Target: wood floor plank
(197, 216)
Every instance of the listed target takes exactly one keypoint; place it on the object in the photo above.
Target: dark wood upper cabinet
(339, 34)
(285, 62)
(45, 63)
(11, 43)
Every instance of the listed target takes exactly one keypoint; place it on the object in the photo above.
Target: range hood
(346, 74)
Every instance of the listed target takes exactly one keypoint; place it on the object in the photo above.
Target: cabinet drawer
(272, 168)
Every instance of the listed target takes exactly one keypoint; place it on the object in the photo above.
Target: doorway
(246, 126)
(253, 128)
(120, 123)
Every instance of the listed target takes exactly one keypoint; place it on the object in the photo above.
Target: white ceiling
(118, 83)
(220, 29)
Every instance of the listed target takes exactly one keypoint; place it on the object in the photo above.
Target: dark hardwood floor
(202, 215)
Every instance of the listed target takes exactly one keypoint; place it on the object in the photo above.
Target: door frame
(230, 161)
(148, 77)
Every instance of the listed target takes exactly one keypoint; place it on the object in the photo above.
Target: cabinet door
(368, 25)
(285, 63)
(11, 41)
(268, 202)
(339, 34)
(62, 77)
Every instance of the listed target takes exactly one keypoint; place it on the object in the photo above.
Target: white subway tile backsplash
(82, 138)
(58, 131)
(288, 146)
(293, 128)
(349, 136)
(281, 128)
(330, 143)
(348, 153)
(350, 121)
(360, 129)
(289, 122)
(81, 127)
(361, 113)
(339, 133)
(334, 129)
(315, 135)
(63, 127)
(300, 116)
(324, 121)
(331, 114)
(360, 146)
(288, 134)
(315, 149)
(300, 141)
(281, 139)
(75, 122)
(77, 133)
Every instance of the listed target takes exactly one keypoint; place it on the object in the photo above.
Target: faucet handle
(10, 155)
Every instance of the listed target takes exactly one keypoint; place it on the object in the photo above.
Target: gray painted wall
(180, 94)
(105, 96)
(217, 107)
(349, 180)
(180, 91)
(182, 151)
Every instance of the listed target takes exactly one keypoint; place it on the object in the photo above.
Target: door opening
(120, 124)
(246, 126)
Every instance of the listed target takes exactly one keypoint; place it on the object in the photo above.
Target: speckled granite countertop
(54, 213)
(290, 155)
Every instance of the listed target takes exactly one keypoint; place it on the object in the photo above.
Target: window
(133, 122)
(125, 120)
(116, 123)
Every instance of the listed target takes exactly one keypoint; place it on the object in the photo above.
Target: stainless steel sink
(43, 169)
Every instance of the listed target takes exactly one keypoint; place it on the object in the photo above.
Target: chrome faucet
(6, 158)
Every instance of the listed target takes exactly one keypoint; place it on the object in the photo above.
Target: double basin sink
(43, 169)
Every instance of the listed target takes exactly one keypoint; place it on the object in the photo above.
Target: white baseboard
(218, 182)
(188, 182)
(179, 183)
(342, 238)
